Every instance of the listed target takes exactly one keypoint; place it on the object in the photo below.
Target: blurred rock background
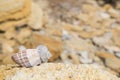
(75, 31)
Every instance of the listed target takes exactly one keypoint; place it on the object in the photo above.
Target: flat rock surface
(55, 71)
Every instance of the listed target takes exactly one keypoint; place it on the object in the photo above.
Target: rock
(104, 15)
(85, 57)
(112, 48)
(89, 7)
(75, 58)
(116, 37)
(110, 60)
(55, 46)
(98, 61)
(8, 46)
(23, 35)
(59, 71)
(103, 54)
(107, 7)
(64, 57)
(11, 33)
(8, 59)
(36, 17)
(72, 28)
(103, 40)
(117, 54)
(12, 15)
(57, 33)
(114, 13)
(0, 48)
(91, 34)
(76, 43)
(113, 63)
(66, 35)
(2, 57)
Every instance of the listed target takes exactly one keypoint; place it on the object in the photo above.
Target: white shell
(32, 57)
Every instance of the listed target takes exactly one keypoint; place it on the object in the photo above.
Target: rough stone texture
(55, 71)
(54, 45)
(13, 13)
(36, 17)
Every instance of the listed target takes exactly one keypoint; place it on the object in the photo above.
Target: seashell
(32, 57)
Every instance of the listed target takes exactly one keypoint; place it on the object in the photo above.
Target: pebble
(85, 58)
(104, 15)
(65, 35)
(117, 54)
(113, 63)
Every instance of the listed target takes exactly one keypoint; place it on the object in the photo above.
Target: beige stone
(23, 35)
(75, 58)
(113, 63)
(13, 13)
(90, 34)
(36, 17)
(8, 59)
(11, 33)
(8, 46)
(103, 54)
(110, 60)
(73, 28)
(55, 46)
(76, 43)
(116, 37)
(58, 71)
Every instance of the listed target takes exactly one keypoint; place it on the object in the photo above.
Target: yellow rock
(116, 37)
(8, 60)
(36, 17)
(13, 13)
(54, 45)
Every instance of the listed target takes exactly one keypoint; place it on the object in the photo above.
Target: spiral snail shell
(32, 57)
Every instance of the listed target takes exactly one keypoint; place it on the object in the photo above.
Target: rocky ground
(58, 71)
(75, 31)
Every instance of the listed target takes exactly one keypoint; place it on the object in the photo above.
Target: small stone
(64, 57)
(65, 35)
(8, 46)
(36, 17)
(85, 58)
(0, 48)
(110, 60)
(75, 58)
(104, 55)
(11, 33)
(72, 28)
(76, 43)
(114, 13)
(116, 36)
(112, 48)
(103, 40)
(98, 60)
(113, 63)
(104, 15)
(8, 60)
(117, 54)
(91, 34)
(23, 35)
